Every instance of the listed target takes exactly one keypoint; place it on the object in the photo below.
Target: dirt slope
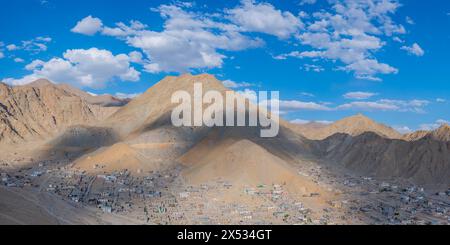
(41, 109)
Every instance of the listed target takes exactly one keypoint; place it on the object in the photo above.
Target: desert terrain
(68, 157)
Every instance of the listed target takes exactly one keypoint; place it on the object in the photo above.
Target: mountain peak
(442, 133)
(359, 116)
(359, 124)
(40, 83)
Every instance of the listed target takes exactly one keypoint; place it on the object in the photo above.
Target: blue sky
(329, 59)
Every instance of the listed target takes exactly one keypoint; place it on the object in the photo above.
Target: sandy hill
(354, 126)
(41, 109)
(118, 157)
(145, 127)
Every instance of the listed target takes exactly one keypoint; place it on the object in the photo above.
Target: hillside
(425, 161)
(41, 109)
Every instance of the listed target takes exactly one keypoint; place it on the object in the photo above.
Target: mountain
(148, 136)
(104, 100)
(425, 161)
(41, 109)
(354, 126)
(440, 134)
(417, 135)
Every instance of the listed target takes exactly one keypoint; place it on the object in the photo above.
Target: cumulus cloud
(2, 55)
(80, 67)
(348, 33)
(136, 57)
(359, 95)
(189, 41)
(88, 26)
(441, 100)
(351, 33)
(264, 18)
(415, 49)
(192, 40)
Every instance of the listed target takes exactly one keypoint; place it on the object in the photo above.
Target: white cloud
(397, 39)
(126, 96)
(35, 45)
(88, 26)
(264, 18)
(19, 60)
(351, 32)
(416, 106)
(440, 100)
(2, 55)
(307, 94)
(136, 57)
(415, 49)
(348, 33)
(314, 68)
(189, 41)
(44, 39)
(301, 121)
(433, 126)
(370, 106)
(409, 20)
(296, 105)
(83, 68)
(34, 64)
(12, 47)
(359, 95)
(233, 84)
(403, 129)
(303, 2)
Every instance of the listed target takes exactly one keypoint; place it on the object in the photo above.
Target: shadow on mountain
(424, 162)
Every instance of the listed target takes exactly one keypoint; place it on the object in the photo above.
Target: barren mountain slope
(39, 110)
(104, 100)
(354, 126)
(425, 161)
(145, 125)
